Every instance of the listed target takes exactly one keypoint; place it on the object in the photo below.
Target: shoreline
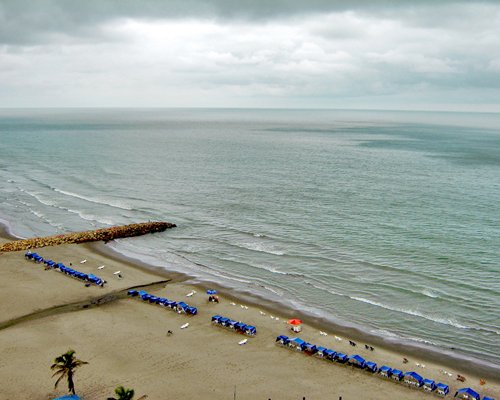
(446, 357)
(102, 332)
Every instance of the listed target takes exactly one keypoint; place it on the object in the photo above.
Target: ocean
(384, 221)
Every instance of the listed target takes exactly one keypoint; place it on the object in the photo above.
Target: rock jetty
(105, 234)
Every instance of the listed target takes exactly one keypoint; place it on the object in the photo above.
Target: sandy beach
(44, 313)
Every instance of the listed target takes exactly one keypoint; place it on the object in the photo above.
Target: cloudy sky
(375, 54)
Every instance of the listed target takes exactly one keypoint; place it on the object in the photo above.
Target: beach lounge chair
(442, 389)
(371, 366)
(341, 358)
(467, 394)
(356, 361)
(385, 371)
(397, 375)
(429, 385)
(413, 379)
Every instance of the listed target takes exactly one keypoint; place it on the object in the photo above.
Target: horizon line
(246, 108)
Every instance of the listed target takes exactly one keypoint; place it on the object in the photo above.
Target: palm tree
(125, 394)
(65, 365)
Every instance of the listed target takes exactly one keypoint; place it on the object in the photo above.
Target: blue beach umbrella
(371, 366)
(413, 378)
(211, 291)
(68, 397)
(467, 393)
(429, 385)
(357, 361)
(442, 389)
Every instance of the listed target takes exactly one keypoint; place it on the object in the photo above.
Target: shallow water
(384, 220)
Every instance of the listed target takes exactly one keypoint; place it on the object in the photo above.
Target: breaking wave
(444, 321)
(94, 200)
(260, 247)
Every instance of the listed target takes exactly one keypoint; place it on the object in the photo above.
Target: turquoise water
(385, 220)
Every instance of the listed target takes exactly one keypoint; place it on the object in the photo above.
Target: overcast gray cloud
(351, 54)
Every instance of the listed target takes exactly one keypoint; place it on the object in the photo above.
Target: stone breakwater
(104, 234)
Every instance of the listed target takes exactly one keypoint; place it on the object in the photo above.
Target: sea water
(388, 221)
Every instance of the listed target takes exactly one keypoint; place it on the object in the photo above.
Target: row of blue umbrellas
(63, 268)
(237, 326)
(358, 361)
(178, 306)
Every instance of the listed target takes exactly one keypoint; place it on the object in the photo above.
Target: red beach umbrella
(294, 321)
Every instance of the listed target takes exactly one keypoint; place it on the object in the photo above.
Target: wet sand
(44, 313)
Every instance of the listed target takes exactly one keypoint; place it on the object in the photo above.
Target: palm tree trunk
(71, 385)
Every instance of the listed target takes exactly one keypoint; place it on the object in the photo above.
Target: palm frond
(61, 371)
(59, 380)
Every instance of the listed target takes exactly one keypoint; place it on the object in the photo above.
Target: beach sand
(44, 313)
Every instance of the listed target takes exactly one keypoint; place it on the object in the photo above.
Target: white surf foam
(260, 247)
(96, 200)
(439, 320)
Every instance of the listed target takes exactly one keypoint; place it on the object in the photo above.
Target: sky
(356, 54)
